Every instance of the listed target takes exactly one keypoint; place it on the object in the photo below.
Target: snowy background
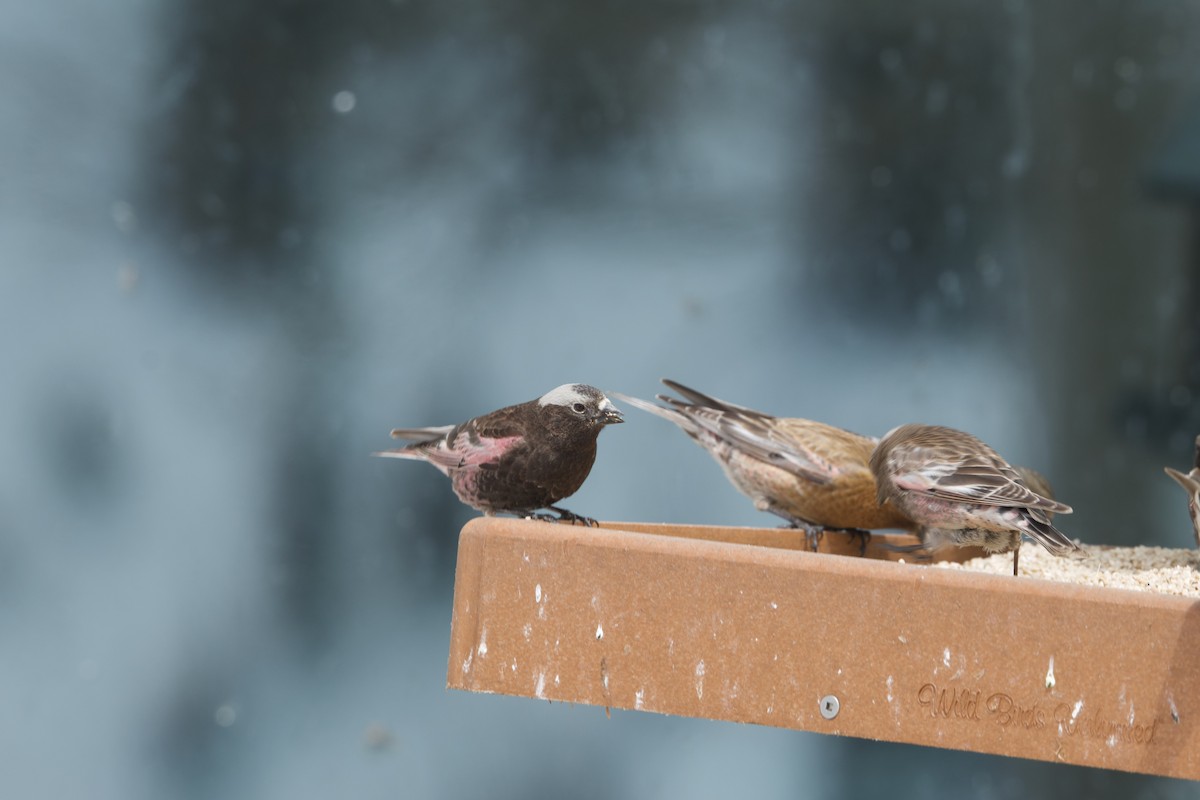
(241, 241)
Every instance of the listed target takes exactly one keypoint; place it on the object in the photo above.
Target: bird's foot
(814, 533)
(920, 551)
(863, 537)
(571, 517)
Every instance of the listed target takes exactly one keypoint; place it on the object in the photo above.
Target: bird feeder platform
(746, 625)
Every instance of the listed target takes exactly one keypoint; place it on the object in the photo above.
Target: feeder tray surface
(743, 624)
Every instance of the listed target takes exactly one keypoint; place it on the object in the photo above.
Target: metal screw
(830, 706)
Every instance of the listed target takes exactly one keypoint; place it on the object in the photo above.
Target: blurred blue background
(243, 240)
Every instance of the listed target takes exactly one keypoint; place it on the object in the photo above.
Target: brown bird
(520, 458)
(813, 475)
(1191, 484)
(961, 492)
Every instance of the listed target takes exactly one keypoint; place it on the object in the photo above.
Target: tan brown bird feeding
(813, 475)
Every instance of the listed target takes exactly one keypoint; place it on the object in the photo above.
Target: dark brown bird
(1191, 484)
(961, 492)
(813, 475)
(520, 458)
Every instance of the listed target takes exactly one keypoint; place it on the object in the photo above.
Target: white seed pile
(1145, 569)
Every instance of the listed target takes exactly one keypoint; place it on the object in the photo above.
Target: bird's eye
(579, 408)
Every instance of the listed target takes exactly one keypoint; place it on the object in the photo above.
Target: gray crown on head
(570, 393)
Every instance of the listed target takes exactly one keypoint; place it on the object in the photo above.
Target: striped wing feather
(952, 465)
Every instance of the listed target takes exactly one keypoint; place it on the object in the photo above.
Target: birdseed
(1144, 569)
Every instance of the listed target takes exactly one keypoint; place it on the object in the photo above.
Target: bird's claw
(566, 516)
(816, 534)
(813, 533)
(863, 537)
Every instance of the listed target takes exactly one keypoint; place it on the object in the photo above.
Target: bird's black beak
(610, 415)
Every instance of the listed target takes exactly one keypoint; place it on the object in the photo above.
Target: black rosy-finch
(813, 475)
(521, 458)
(1191, 484)
(959, 491)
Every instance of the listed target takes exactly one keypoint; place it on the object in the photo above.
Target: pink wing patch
(469, 452)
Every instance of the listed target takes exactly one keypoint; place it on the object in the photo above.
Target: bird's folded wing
(974, 479)
(760, 439)
(475, 443)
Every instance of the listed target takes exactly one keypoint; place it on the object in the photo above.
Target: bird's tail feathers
(403, 452)
(702, 400)
(670, 414)
(1044, 533)
(421, 434)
